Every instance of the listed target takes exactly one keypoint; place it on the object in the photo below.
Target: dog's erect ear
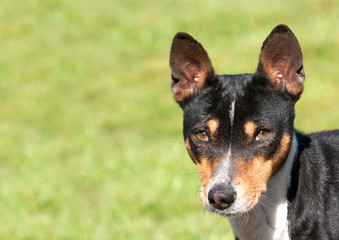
(190, 66)
(282, 62)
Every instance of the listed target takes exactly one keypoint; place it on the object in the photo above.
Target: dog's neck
(268, 220)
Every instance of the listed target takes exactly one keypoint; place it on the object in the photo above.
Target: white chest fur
(268, 220)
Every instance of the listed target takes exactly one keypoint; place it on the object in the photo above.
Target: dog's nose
(221, 197)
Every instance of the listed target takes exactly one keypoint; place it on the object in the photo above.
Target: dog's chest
(263, 223)
(268, 220)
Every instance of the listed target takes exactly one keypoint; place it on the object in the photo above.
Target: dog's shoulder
(323, 145)
(327, 137)
(318, 153)
(314, 189)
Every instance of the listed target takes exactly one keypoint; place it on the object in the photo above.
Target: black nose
(221, 197)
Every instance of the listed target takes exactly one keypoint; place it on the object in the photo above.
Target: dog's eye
(202, 136)
(262, 135)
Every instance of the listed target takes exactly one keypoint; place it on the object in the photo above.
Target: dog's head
(237, 128)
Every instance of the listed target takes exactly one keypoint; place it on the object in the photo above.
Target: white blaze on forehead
(231, 112)
(227, 159)
(222, 173)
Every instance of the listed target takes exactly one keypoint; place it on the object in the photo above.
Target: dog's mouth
(237, 206)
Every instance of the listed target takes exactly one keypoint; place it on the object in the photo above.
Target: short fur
(270, 180)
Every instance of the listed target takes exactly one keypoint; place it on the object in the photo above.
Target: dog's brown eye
(262, 135)
(202, 136)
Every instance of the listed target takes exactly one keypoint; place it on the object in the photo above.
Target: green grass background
(90, 138)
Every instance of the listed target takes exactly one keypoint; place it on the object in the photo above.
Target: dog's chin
(227, 213)
(233, 211)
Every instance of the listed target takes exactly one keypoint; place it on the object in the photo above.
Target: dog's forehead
(228, 91)
(233, 86)
(219, 99)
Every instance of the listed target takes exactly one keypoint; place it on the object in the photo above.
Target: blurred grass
(91, 144)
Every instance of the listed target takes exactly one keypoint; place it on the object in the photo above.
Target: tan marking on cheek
(206, 169)
(252, 176)
(189, 150)
(213, 125)
(250, 128)
(187, 144)
(281, 153)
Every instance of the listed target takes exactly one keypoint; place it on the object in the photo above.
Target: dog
(270, 180)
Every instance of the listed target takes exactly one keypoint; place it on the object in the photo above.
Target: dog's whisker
(269, 198)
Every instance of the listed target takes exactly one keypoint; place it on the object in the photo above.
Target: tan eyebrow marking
(282, 152)
(213, 125)
(250, 128)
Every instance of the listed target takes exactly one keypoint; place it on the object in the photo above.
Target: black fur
(266, 98)
(313, 211)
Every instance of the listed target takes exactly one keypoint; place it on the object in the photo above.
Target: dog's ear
(190, 67)
(282, 62)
